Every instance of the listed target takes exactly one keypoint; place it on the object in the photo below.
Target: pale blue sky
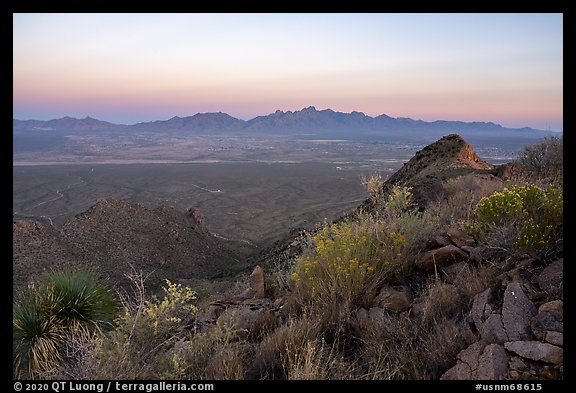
(506, 68)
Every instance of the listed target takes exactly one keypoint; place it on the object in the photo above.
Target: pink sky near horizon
(131, 68)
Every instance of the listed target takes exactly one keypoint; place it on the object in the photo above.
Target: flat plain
(252, 191)
(249, 203)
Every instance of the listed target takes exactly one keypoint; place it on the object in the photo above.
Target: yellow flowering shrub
(177, 304)
(534, 214)
(345, 260)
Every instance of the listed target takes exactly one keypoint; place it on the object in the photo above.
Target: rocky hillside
(431, 293)
(449, 157)
(116, 235)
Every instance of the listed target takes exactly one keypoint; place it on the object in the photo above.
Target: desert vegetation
(386, 293)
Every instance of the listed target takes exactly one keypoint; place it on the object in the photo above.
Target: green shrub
(147, 328)
(177, 304)
(46, 315)
(532, 214)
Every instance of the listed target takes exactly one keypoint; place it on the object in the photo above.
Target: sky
(128, 68)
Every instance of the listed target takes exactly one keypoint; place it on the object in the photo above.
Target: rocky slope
(115, 236)
(449, 157)
(505, 308)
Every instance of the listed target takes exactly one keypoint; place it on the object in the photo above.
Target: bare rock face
(440, 257)
(536, 350)
(198, 218)
(257, 282)
(394, 299)
(517, 310)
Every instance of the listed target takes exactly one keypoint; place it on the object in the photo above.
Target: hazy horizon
(130, 68)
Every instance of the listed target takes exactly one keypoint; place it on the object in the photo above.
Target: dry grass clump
(459, 197)
(408, 348)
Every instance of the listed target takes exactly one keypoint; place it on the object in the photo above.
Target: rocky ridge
(116, 235)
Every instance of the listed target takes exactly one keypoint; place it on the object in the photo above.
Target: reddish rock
(476, 254)
(461, 371)
(437, 242)
(460, 238)
(444, 256)
(555, 308)
(257, 282)
(394, 299)
(198, 218)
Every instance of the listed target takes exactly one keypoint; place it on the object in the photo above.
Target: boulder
(476, 254)
(378, 316)
(460, 238)
(555, 338)
(551, 278)
(493, 363)
(437, 242)
(467, 365)
(555, 307)
(517, 310)
(508, 171)
(394, 299)
(492, 330)
(362, 316)
(443, 256)
(481, 307)
(543, 322)
(257, 282)
(461, 371)
(536, 350)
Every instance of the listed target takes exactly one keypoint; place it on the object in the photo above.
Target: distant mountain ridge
(306, 120)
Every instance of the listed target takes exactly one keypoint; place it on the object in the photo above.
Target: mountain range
(306, 120)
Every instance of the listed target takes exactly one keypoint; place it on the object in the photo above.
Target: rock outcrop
(449, 157)
(525, 341)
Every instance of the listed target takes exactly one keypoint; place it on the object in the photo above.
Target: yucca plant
(76, 299)
(65, 302)
(36, 337)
